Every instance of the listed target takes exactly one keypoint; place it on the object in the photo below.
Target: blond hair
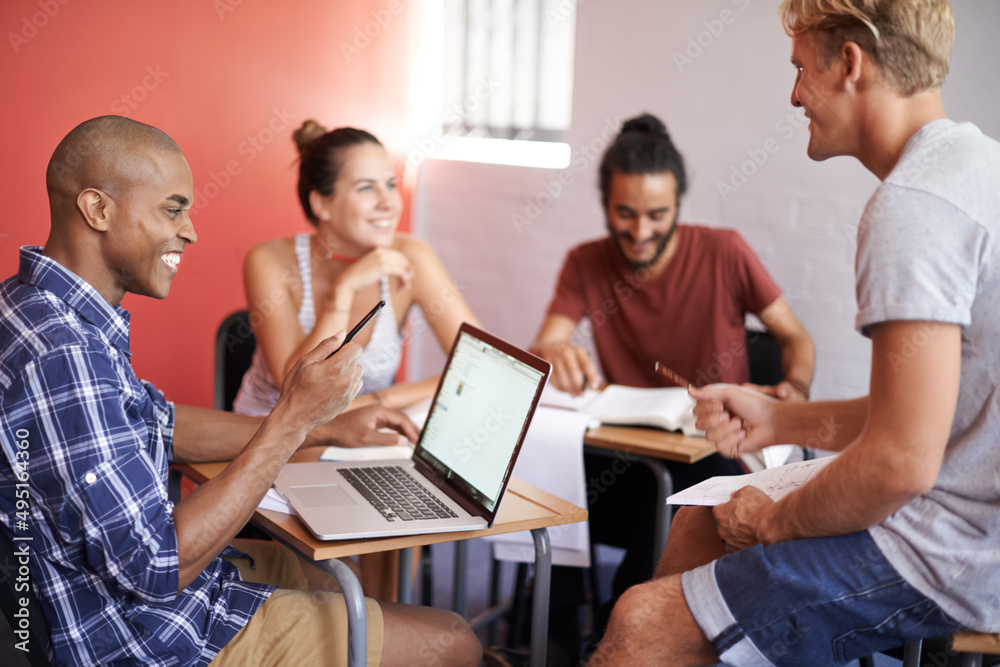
(908, 40)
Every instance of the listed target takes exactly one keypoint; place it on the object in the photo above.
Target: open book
(668, 408)
(775, 482)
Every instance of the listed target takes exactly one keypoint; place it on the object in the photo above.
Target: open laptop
(462, 461)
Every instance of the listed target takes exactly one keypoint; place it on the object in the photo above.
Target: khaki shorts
(293, 627)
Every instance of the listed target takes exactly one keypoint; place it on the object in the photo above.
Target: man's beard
(661, 246)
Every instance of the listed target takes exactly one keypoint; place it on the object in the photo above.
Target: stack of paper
(551, 458)
(668, 408)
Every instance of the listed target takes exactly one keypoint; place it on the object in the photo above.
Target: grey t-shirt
(928, 250)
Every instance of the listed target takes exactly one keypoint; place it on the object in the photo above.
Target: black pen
(359, 326)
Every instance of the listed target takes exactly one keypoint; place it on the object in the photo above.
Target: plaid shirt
(90, 444)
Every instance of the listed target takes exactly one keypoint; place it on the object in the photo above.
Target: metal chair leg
(972, 660)
(911, 654)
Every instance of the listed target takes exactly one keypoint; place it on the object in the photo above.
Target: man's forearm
(202, 435)
(208, 518)
(856, 491)
(826, 425)
(798, 363)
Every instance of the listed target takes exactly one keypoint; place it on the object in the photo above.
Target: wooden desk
(651, 447)
(649, 442)
(524, 507)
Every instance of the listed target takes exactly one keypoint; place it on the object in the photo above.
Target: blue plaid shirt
(86, 447)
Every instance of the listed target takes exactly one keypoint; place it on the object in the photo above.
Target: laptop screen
(481, 410)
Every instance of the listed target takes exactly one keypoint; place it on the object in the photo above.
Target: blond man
(898, 538)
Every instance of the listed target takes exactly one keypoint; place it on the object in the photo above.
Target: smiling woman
(303, 289)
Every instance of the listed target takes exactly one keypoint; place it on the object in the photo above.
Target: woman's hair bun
(310, 131)
(647, 123)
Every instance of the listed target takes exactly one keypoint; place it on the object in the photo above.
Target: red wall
(228, 80)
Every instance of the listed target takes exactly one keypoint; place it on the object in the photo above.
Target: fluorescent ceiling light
(543, 154)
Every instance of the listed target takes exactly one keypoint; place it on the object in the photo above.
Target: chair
(764, 354)
(972, 646)
(36, 645)
(968, 647)
(234, 347)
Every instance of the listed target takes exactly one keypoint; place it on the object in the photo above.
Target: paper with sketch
(551, 458)
(775, 482)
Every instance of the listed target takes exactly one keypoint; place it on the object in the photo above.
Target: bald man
(124, 575)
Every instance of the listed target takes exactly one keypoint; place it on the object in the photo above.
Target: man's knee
(426, 636)
(636, 609)
(638, 621)
(466, 650)
(693, 518)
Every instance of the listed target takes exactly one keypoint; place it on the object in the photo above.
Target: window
(494, 78)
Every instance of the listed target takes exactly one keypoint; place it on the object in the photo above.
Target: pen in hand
(359, 326)
(670, 375)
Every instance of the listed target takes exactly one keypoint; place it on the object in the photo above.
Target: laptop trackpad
(324, 495)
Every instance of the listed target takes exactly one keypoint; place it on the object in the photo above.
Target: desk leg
(665, 488)
(540, 593)
(458, 594)
(357, 614)
(405, 593)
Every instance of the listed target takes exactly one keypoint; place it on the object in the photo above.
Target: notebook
(460, 467)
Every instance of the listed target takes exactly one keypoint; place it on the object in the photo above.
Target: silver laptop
(462, 461)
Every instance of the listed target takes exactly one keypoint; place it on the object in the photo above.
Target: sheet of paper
(551, 458)
(637, 400)
(775, 482)
(275, 500)
(418, 412)
(553, 398)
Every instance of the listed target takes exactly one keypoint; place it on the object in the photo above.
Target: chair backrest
(31, 631)
(764, 354)
(234, 346)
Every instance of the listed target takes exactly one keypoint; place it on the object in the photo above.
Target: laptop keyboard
(395, 494)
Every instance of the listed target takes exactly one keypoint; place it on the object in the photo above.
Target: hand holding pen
(359, 326)
(673, 377)
(573, 371)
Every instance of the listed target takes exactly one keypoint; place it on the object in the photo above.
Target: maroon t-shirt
(690, 317)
